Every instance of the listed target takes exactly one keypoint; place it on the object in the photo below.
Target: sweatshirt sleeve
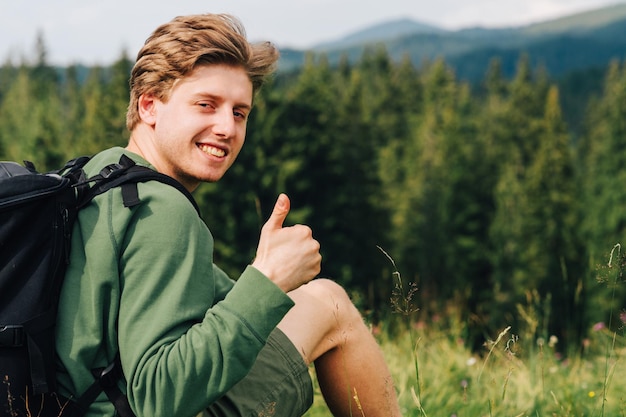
(187, 333)
(223, 283)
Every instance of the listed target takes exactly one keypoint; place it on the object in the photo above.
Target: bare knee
(325, 289)
(335, 300)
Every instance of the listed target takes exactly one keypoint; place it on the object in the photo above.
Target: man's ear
(147, 108)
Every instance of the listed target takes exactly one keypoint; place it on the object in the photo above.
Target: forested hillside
(480, 195)
(560, 46)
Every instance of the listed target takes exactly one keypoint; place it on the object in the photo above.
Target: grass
(438, 375)
(510, 378)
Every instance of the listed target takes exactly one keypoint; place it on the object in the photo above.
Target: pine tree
(604, 198)
(604, 160)
(554, 255)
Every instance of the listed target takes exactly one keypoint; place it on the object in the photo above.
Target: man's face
(200, 130)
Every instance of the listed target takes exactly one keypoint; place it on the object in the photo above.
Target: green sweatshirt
(142, 281)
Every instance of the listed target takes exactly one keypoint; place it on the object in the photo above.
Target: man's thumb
(279, 214)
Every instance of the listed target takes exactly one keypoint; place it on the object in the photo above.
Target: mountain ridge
(386, 30)
(394, 28)
(581, 40)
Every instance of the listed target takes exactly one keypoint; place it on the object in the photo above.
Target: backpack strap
(126, 174)
(106, 381)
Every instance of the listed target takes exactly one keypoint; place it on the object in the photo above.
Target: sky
(96, 32)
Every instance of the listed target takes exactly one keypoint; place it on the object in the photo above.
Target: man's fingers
(279, 214)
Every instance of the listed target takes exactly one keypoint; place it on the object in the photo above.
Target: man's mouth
(212, 150)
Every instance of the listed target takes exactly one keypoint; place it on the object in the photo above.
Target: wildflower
(471, 361)
(553, 341)
(510, 344)
(420, 325)
(599, 326)
(540, 341)
(622, 316)
(464, 384)
(591, 394)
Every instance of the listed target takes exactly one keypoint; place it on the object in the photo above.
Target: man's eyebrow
(244, 106)
(210, 96)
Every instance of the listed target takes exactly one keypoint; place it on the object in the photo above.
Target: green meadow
(514, 373)
(438, 375)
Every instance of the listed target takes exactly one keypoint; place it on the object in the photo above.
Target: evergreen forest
(500, 197)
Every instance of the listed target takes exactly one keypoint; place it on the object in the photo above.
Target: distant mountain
(382, 32)
(576, 42)
(579, 22)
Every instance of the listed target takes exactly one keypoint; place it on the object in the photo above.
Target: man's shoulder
(152, 193)
(112, 156)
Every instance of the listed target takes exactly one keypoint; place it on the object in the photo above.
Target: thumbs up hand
(289, 256)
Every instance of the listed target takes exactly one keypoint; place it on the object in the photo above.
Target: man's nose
(225, 123)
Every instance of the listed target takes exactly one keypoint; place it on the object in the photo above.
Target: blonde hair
(176, 48)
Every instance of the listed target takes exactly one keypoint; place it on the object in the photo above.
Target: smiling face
(196, 134)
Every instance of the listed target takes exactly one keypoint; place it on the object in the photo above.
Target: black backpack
(37, 213)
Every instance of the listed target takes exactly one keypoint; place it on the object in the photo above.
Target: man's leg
(329, 331)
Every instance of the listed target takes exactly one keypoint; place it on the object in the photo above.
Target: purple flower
(598, 326)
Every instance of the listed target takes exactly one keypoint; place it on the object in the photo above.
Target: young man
(142, 283)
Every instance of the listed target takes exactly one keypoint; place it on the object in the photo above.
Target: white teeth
(211, 150)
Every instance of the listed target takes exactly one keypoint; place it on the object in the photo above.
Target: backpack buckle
(112, 171)
(12, 336)
(109, 376)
